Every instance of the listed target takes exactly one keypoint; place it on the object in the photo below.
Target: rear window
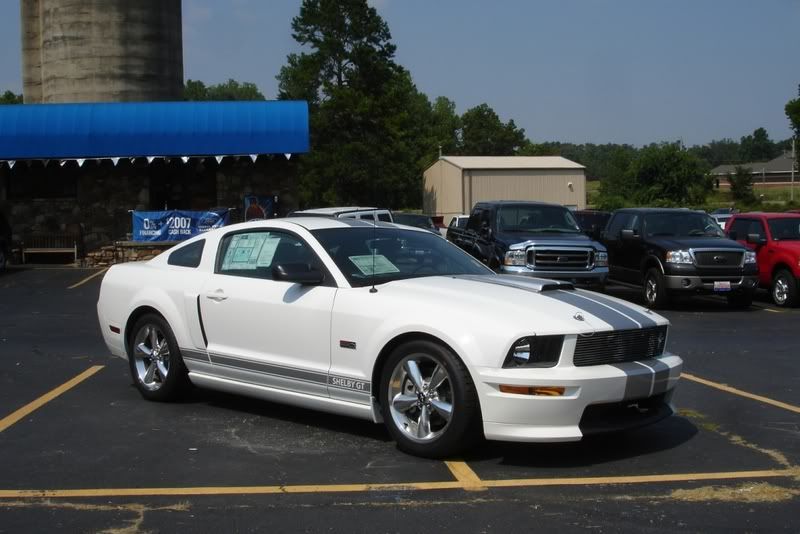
(187, 256)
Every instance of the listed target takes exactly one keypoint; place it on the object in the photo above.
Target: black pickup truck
(533, 239)
(677, 251)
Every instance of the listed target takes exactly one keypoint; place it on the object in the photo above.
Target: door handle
(218, 296)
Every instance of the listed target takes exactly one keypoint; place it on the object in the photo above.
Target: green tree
(370, 126)
(742, 185)
(445, 126)
(661, 175)
(792, 110)
(484, 134)
(718, 152)
(10, 97)
(230, 90)
(757, 147)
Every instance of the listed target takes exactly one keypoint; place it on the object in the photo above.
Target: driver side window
(253, 254)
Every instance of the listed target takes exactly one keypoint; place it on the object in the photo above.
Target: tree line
(373, 133)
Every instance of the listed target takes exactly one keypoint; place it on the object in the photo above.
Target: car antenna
(373, 289)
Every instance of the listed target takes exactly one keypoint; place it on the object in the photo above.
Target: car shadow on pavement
(302, 417)
(688, 303)
(665, 435)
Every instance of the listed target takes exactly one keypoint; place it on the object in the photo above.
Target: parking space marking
(468, 478)
(411, 486)
(88, 278)
(729, 389)
(26, 410)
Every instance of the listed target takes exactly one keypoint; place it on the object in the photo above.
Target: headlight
(749, 256)
(534, 351)
(679, 256)
(601, 259)
(515, 258)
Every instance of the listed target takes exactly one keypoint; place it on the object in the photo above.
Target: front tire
(428, 400)
(655, 289)
(155, 360)
(784, 289)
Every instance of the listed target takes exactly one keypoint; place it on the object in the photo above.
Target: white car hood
(542, 306)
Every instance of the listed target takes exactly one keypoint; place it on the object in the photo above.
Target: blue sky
(623, 71)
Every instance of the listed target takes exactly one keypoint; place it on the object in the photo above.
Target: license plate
(722, 286)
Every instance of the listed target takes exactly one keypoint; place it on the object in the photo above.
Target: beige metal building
(453, 184)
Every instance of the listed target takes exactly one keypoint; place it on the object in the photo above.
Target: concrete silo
(101, 50)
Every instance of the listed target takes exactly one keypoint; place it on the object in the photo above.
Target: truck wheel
(655, 289)
(428, 400)
(740, 299)
(784, 289)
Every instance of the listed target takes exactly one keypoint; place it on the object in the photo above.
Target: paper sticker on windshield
(381, 264)
(267, 251)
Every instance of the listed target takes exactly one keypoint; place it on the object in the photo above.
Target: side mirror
(756, 239)
(733, 236)
(298, 273)
(486, 231)
(629, 235)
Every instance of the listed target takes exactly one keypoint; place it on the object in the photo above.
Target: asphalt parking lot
(81, 451)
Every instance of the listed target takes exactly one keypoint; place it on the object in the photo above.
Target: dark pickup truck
(677, 251)
(533, 239)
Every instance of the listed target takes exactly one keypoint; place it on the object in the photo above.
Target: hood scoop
(538, 285)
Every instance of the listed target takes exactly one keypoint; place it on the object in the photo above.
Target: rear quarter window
(187, 256)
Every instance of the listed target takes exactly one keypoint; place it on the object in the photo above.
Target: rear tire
(784, 289)
(428, 400)
(655, 289)
(155, 360)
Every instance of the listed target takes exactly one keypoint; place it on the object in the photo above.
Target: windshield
(522, 218)
(394, 254)
(785, 229)
(681, 224)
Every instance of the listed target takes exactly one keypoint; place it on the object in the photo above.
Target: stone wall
(99, 204)
(124, 251)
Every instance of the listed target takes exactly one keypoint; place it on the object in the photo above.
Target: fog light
(545, 391)
(686, 282)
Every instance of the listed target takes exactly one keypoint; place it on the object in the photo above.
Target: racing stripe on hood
(634, 314)
(617, 319)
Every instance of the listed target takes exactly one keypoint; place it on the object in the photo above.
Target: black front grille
(619, 346)
(560, 258)
(719, 258)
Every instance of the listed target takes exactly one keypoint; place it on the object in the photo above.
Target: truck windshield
(522, 218)
(681, 224)
(379, 255)
(785, 229)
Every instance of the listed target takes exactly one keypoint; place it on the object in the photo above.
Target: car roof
(768, 215)
(516, 203)
(316, 223)
(333, 211)
(659, 210)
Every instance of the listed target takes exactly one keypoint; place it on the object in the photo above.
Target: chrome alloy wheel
(650, 290)
(151, 357)
(421, 397)
(780, 290)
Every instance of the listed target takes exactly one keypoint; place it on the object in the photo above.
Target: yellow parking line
(93, 275)
(9, 420)
(729, 389)
(465, 475)
(411, 486)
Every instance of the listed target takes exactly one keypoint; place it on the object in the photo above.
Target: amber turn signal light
(547, 391)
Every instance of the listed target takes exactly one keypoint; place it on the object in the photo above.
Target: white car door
(264, 331)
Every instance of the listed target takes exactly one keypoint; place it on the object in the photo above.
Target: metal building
(101, 50)
(453, 184)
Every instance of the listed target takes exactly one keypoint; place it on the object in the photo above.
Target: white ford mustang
(391, 324)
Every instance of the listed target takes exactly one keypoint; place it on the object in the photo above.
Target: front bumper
(598, 275)
(706, 283)
(607, 389)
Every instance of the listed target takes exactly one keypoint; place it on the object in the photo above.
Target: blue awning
(106, 130)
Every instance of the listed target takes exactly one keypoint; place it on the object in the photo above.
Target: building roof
(142, 129)
(781, 164)
(512, 162)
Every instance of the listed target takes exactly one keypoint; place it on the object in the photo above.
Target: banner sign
(176, 225)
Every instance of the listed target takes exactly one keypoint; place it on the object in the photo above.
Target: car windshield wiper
(557, 230)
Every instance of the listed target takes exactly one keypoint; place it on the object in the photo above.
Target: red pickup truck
(776, 239)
